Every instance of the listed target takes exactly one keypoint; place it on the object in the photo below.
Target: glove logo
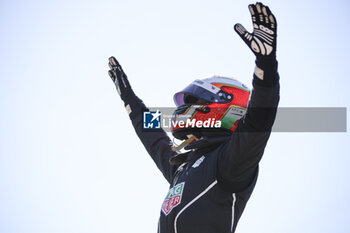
(151, 120)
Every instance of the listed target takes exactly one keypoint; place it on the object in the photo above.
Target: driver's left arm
(238, 162)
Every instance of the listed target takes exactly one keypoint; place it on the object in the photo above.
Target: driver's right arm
(157, 143)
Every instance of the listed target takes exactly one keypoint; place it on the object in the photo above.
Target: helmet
(209, 106)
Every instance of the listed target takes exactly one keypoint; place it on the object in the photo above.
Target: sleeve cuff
(134, 106)
(265, 73)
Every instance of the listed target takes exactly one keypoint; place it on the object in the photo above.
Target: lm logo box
(152, 119)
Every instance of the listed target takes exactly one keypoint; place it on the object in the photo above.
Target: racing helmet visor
(204, 91)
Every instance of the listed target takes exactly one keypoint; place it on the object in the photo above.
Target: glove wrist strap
(265, 73)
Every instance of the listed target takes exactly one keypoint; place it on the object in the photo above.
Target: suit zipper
(177, 173)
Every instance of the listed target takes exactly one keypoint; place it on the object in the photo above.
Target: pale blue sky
(69, 159)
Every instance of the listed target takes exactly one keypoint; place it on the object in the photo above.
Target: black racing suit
(209, 190)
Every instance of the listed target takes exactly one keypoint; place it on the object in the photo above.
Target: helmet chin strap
(190, 138)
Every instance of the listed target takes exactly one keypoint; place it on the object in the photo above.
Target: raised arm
(239, 162)
(157, 143)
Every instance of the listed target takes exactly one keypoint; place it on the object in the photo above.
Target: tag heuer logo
(173, 198)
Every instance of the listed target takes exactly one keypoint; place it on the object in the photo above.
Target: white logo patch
(198, 162)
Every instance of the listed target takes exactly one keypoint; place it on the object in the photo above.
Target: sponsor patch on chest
(198, 162)
(173, 198)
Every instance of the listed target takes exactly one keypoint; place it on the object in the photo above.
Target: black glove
(263, 39)
(120, 80)
(263, 43)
